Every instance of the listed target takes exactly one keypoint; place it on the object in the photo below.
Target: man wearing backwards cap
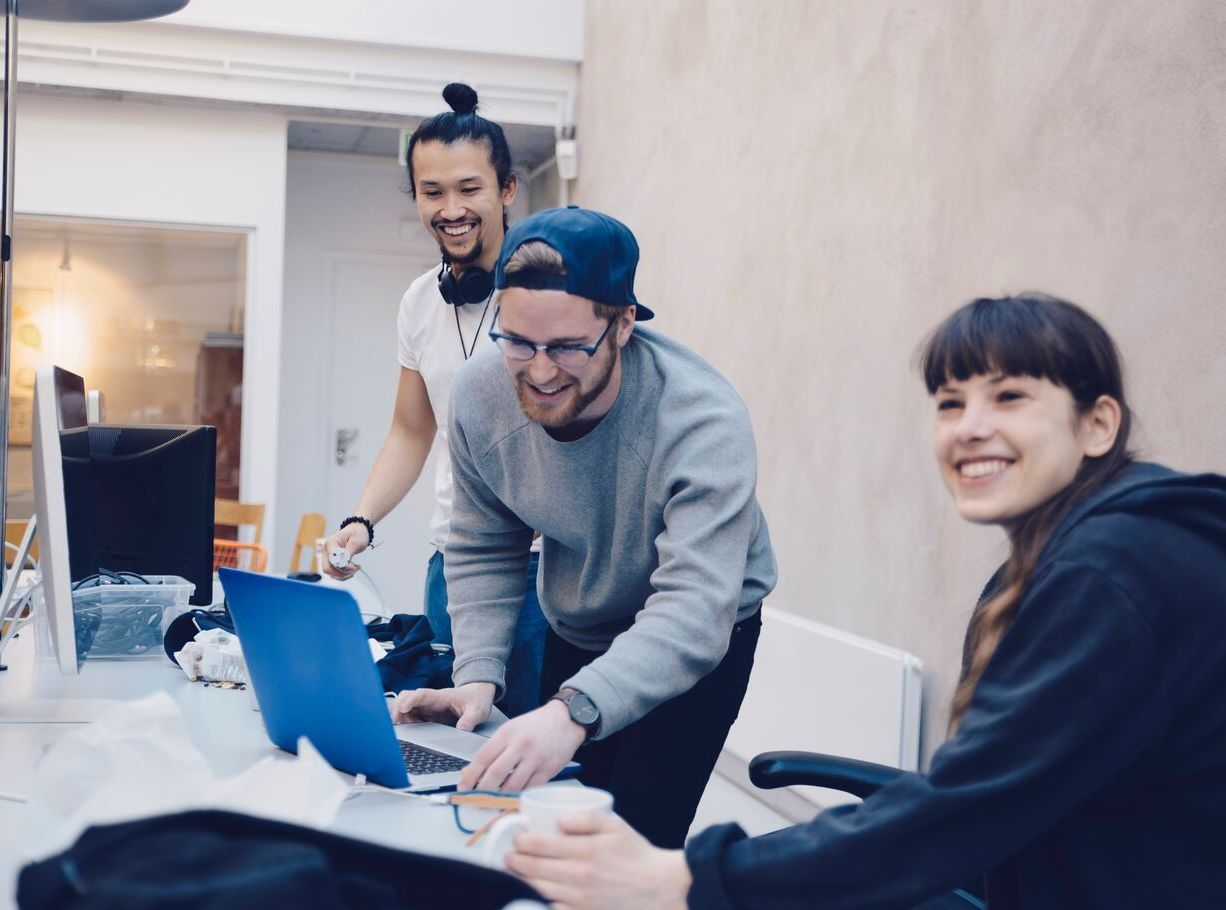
(635, 460)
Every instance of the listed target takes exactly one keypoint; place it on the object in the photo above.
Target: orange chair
(310, 529)
(234, 555)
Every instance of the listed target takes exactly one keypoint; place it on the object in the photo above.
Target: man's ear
(1100, 425)
(509, 190)
(625, 325)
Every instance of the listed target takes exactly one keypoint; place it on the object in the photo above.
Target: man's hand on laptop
(465, 706)
(525, 751)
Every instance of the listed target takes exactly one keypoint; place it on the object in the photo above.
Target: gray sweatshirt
(653, 543)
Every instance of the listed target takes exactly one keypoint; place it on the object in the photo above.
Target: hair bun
(461, 97)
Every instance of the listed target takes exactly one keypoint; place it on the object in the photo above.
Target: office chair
(772, 770)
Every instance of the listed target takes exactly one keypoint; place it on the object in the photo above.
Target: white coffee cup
(539, 811)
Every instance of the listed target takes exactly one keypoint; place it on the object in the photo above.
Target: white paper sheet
(137, 759)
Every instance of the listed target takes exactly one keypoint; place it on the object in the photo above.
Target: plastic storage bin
(121, 622)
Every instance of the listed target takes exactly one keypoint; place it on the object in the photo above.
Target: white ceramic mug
(539, 811)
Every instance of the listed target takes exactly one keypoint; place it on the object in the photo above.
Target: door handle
(344, 439)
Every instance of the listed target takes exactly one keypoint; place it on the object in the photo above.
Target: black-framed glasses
(571, 356)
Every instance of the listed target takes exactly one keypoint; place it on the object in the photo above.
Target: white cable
(378, 593)
(360, 786)
(13, 797)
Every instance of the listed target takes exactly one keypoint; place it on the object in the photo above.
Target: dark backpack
(228, 861)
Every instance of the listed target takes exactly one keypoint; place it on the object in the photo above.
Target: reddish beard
(574, 401)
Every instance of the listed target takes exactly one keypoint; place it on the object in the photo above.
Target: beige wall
(815, 184)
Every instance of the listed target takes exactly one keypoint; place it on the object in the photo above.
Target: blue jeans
(528, 650)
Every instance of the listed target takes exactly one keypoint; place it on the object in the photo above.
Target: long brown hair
(1047, 338)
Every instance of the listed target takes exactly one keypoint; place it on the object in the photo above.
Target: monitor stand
(15, 611)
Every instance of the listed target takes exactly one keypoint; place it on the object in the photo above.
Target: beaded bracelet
(365, 522)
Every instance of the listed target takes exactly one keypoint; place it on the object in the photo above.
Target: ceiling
(530, 145)
(41, 228)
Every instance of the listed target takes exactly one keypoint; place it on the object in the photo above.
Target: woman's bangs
(990, 338)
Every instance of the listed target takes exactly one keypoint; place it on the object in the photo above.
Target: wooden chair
(235, 514)
(310, 529)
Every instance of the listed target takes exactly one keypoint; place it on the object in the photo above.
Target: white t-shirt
(430, 344)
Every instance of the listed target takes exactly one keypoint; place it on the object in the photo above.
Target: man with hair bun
(460, 176)
(635, 461)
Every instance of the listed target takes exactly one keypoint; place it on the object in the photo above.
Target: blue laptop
(309, 661)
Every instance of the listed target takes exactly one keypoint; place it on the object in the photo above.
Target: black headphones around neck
(473, 286)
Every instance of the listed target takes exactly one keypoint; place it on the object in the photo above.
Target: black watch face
(583, 710)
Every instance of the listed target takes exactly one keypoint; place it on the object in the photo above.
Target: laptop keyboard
(420, 760)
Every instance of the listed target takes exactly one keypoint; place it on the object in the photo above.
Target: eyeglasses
(571, 356)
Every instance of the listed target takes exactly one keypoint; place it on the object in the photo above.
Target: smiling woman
(1086, 763)
(1004, 445)
(1031, 418)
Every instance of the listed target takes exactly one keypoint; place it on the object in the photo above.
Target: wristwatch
(583, 710)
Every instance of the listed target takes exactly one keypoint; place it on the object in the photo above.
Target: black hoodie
(1090, 768)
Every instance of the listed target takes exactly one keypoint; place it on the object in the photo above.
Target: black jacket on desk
(1090, 768)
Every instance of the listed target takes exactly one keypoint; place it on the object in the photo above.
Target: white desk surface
(226, 729)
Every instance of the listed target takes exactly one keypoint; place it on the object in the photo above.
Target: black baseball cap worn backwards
(599, 252)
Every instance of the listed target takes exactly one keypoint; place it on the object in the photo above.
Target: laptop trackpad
(441, 737)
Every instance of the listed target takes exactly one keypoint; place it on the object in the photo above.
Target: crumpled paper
(214, 655)
(137, 759)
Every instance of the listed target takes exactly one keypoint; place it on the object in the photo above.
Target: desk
(225, 728)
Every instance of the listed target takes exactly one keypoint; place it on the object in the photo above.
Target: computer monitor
(55, 414)
(151, 492)
(124, 498)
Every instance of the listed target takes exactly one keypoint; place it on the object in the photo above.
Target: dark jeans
(657, 767)
(524, 664)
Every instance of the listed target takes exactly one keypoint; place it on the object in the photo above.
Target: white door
(364, 292)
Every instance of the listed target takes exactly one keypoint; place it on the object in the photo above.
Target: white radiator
(818, 689)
